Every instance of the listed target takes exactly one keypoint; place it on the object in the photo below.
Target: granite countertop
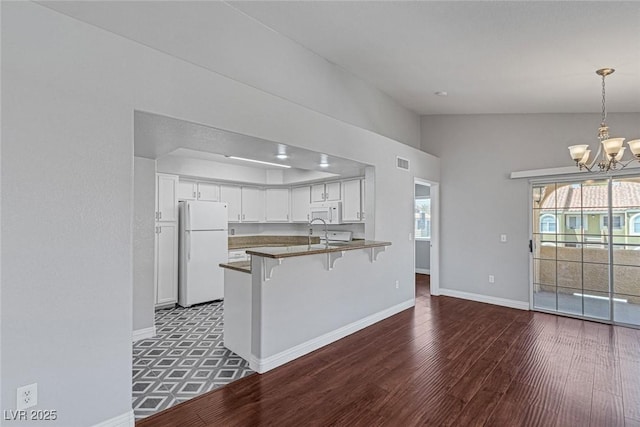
(241, 242)
(242, 266)
(318, 248)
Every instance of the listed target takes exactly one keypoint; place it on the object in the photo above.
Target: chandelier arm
(627, 163)
(587, 167)
(596, 158)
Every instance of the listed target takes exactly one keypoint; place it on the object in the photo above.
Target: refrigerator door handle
(188, 242)
(188, 222)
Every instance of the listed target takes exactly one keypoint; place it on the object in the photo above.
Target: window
(634, 224)
(423, 218)
(576, 222)
(548, 223)
(618, 221)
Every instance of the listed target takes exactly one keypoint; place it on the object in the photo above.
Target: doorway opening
(425, 232)
(586, 249)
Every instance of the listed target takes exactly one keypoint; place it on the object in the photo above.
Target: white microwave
(331, 212)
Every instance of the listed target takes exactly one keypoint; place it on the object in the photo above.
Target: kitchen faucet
(326, 232)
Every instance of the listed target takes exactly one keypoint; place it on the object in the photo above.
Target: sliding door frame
(581, 178)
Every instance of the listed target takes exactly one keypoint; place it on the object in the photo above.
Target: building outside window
(576, 222)
(548, 223)
(618, 221)
(634, 224)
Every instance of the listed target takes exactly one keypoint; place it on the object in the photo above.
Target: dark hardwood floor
(446, 362)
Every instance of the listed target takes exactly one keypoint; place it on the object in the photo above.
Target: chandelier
(611, 149)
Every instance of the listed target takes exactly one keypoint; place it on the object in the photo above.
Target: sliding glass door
(586, 249)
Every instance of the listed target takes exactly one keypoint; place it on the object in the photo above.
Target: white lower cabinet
(277, 204)
(300, 203)
(166, 263)
(232, 196)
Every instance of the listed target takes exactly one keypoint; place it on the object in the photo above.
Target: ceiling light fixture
(282, 152)
(441, 93)
(259, 161)
(613, 149)
(324, 162)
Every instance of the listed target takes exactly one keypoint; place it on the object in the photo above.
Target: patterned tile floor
(186, 358)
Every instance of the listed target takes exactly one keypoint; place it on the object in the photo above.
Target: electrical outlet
(27, 396)
(492, 278)
(397, 284)
(503, 238)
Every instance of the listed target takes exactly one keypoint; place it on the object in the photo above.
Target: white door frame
(434, 261)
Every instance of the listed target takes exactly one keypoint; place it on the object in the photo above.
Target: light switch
(503, 238)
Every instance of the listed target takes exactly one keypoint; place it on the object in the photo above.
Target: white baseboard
(520, 305)
(125, 420)
(423, 271)
(263, 365)
(141, 334)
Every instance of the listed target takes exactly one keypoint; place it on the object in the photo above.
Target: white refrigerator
(203, 246)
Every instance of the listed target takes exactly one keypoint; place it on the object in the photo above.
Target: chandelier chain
(604, 108)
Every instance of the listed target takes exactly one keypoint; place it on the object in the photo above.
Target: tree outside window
(423, 218)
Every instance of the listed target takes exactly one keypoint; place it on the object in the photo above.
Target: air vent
(402, 163)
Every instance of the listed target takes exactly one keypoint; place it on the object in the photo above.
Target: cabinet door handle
(287, 217)
(194, 194)
(243, 216)
(160, 215)
(362, 215)
(198, 194)
(358, 215)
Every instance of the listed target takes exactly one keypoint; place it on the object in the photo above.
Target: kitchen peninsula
(291, 300)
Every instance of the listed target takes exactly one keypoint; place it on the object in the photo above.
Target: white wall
(239, 47)
(478, 201)
(144, 189)
(69, 93)
(423, 255)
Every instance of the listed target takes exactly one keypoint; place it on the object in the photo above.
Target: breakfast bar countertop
(242, 266)
(313, 249)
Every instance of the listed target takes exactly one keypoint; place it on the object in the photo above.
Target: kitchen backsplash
(239, 229)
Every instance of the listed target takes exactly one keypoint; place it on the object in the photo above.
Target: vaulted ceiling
(490, 57)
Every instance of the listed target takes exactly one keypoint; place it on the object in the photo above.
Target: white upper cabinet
(194, 190)
(232, 196)
(187, 190)
(166, 197)
(332, 191)
(277, 204)
(317, 193)
(208, 192)
(352, 201)
(300, 198)
(253, 205)
(325, 192)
